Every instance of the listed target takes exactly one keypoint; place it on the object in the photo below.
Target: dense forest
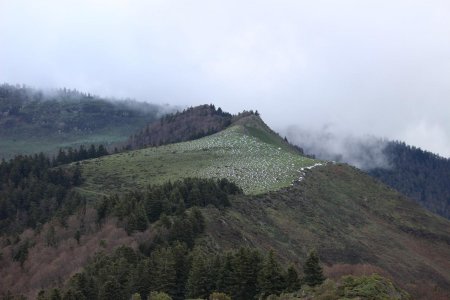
(421, 175)
(62, 111)
(34, 120)
(181, 239)
(70, 154)
(172, 264)
(183, 273)
(32, 191)
(192, 123)
(137, 209)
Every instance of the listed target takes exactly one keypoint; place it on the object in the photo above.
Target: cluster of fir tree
(245, 274)
(182, 273)
(202, 110)
(69, 155)
(136, 210)
(32, 191)
(160, 264)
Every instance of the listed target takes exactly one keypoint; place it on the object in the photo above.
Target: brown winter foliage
(50, 265)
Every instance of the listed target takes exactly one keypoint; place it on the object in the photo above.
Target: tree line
(137, 209)
(181, 273)
(70, 154)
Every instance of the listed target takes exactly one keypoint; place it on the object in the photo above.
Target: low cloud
(364, 152)
(374, 67)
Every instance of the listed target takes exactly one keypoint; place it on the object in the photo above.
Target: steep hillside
(33, 120)
(247, 152)
(419, 174)
(357, 224)
(291, 204)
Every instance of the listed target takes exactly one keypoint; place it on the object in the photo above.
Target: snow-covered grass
(254, 165)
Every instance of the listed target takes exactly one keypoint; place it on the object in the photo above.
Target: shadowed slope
(353, 221)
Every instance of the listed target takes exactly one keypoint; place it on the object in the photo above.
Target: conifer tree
(247, 264)
(292, 280)
(180, 254)
(138, 219)
(313, 273)
(226, 279)
(111, 290)
(200, 282)
(270, 277)
(197, 220)
(195, 197)
(162, 271)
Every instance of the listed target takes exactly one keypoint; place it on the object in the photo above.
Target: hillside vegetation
(192, 123)
(354, 220)
(247, 153)
(33, 121)
(419, 174)
(240, 212)
(358, 225)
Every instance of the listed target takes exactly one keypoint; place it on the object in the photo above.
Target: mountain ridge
(355, 222)
(33, 120)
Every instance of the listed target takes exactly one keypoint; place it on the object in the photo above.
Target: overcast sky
(361, 67)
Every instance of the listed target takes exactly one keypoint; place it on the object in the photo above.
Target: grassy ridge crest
(252, 156)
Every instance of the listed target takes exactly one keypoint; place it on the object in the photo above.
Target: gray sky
(357, 67)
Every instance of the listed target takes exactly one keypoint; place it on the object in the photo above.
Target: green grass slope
(258, 162)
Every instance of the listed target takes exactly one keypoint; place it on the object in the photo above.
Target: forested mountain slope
(421, 175)
(354, 220)
(33, 120)
(357, 224)
(184, 210)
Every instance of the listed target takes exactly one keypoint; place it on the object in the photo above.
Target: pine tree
(137, 220)
(180, 254)
(292, 280)
(197, 220)
(313, 273)
(111, 290)
(162, 271)
(200, 282)
(226, 280)
(247, 264)
(154, 208)
(270, 277)
(194, 197)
